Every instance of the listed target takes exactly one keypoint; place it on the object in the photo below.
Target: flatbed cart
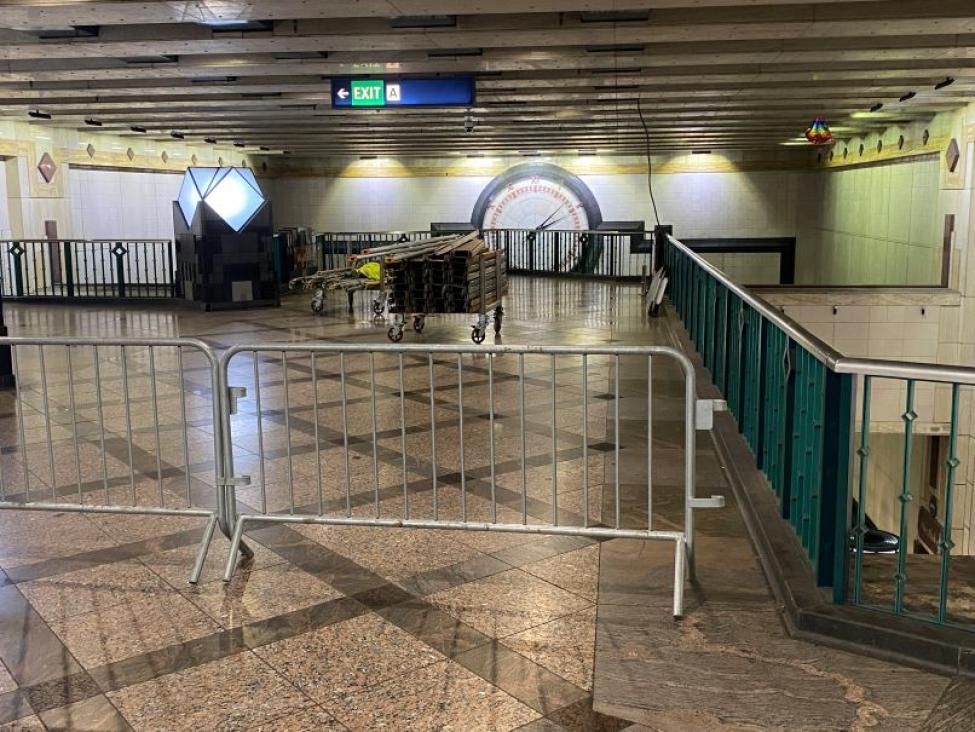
(347, 280)
(446, 275)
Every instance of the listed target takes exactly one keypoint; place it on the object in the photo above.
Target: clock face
(534, 202)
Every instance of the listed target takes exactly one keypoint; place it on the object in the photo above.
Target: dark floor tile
(91, 715)
(14, 705)
(551, 546)
(32, 653)
(523, 679)
(444, 578)
(435, 627)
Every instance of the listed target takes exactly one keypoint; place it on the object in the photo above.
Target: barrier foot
(679, 567)
(201, 555)
(236, 547)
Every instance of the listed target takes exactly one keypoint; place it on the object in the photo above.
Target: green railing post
(839, 421)
(900, 578)
(946, 544)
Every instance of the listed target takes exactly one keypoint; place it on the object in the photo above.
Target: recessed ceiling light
(877, 107)
(93, 123)
(909, 95)
(177, 135)
(942, 84)
(210, 140)
(140, 130)
(38, 114)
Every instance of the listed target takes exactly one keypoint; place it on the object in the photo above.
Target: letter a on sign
(393, 95)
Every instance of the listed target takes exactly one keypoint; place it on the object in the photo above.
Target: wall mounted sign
(454, 91)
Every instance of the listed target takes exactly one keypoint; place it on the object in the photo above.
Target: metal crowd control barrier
(103, 426)
(445, 437)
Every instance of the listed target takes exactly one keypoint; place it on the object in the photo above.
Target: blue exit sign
(454, 91)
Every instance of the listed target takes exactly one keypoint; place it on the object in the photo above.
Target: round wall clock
(537, 196)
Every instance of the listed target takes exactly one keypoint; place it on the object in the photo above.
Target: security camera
(468, 123)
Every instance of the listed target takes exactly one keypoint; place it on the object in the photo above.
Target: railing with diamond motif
(805, 411)
(76, 269)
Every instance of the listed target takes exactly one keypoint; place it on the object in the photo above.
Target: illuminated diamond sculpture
(232, 193)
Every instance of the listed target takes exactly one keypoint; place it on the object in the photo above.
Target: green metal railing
(796, 403)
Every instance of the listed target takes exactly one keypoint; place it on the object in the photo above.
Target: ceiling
(552, 77)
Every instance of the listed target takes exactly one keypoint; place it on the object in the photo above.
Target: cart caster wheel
(477, 335)
(317, 306)
(419, 324)
(395, 334)
(377, 307)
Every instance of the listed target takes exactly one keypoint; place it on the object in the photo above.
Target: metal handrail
(826, 354)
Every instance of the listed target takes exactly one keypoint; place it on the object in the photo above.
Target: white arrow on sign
(342, 93)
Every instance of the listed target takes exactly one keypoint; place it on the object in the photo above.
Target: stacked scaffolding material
(451, 274)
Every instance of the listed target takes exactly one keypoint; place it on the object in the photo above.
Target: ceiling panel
(550, 75)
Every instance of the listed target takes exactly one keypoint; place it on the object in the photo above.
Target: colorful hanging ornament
(818, 132)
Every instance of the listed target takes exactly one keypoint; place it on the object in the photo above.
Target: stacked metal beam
(449, 274)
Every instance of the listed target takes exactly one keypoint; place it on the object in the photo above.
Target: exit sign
(368, 93)
(444, 91)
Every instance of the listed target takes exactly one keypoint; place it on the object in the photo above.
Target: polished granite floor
(360, 628)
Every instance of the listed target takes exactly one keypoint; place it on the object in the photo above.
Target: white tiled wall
(697, 204)
(871, 225)
(133, 205)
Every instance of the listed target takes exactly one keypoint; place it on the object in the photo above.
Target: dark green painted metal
(900, 579)
(782, 399)
(836, 464)
(861, 526)
(946, 544)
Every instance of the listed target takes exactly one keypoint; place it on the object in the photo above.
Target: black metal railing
(77, 268)
(335, 247)
(610, 254)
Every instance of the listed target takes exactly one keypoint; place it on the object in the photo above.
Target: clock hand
(553, 223)
(543, 225)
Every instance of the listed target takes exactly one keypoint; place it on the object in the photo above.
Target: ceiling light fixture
(140, 130)
(177, 135)
(93, 122)
(947, 82)
(210, 140)
(909, 95)
(877, 107)
(240, 144)
(38, 114)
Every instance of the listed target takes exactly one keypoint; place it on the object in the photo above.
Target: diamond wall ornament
(165, 156)
(232, 193)
(90, 150)
(47, 168)
(952, 155)
(130, 154)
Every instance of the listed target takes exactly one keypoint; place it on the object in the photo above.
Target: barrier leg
(679, 566)
(201, 555)
(236, 546)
